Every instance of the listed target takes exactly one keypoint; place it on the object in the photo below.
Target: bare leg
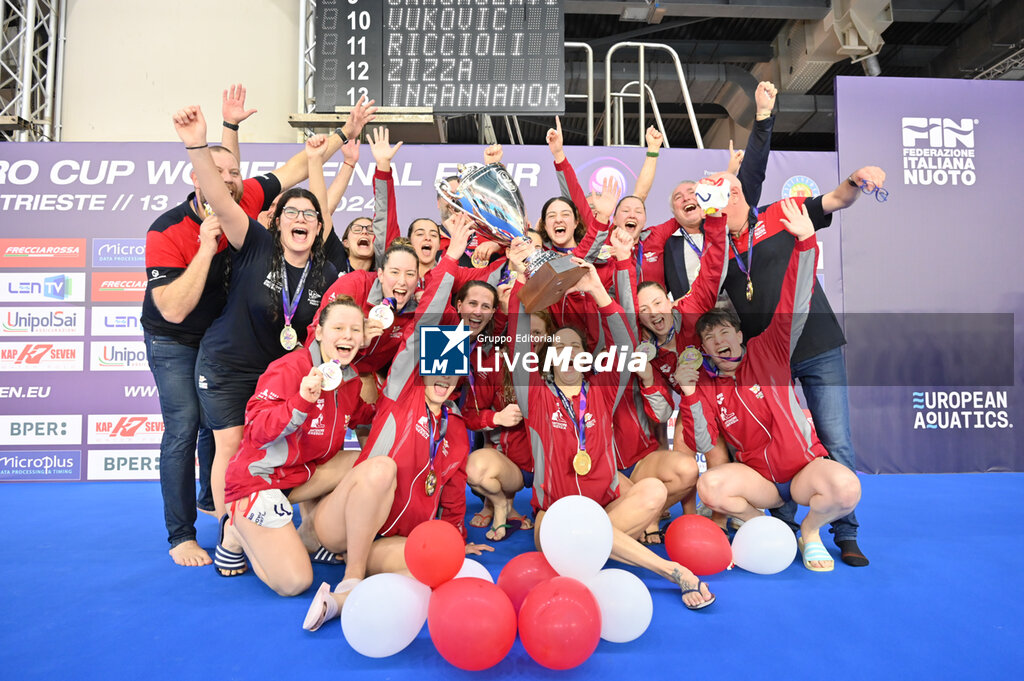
(831, 491)
(276, 554)
(490, 474)
(678, 472)
(325, 480)
(718, 456)
(737, 490)
(226, 443)
(679, 445)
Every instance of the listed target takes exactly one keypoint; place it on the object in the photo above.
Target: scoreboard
(454, 56)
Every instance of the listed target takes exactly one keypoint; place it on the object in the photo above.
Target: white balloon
(576, 537)
(384, 614)
(764, 545)
(625, 602)
(473, 568)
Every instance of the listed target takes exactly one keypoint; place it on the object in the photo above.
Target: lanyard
(639, 261)
(693, 245)
(291, 304)
(671, 335)
(442, 430)
(581, 428)
(745, 269)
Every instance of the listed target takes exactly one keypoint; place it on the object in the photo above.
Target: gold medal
(581, 462)
(691, 357)
(477, 262)
(750, 290)
(430, 484)
(289, 339)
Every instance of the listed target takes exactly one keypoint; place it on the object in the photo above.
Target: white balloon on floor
(625, 603)
(473, 568)
(764, 545)
(576, 537)
(384, 613)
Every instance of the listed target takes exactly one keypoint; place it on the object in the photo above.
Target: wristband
(853, 184)
(340, 134)
(652, 154)
(201, 146)
(230, 126)
(762, 116)
(349, 165)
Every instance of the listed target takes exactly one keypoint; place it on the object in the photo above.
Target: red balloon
(698, 543)
(560, 623)
(522, 573)
(434, 552)
(472, 623)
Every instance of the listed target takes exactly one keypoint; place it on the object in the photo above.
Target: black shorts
(223, 392)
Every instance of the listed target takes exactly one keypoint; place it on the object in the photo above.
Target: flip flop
(325, 557)
(815, 551)
(484, 521)
(851, 554)
(509, 529)
(648, 536)
(225, 561)
(697, 591)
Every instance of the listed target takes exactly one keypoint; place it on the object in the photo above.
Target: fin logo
(444, 350)
(939, 133)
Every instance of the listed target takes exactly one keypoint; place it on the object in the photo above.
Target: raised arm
(385, 214)
(567, 181)
(519, 325)
(190, 125)
(703, 294)
(350, 154)
(755, 158)
(848, 190)
(429, 312)
(646, 177)
(233, 111)
(316, 148)
(781, 336)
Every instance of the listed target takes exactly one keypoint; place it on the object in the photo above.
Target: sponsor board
(118, 287)
(119, 253)
(938, 150)
(125, 429)
(124, 464)
(42, 253)
(24, 392)
(42, 356)
(40, 466)
(108, 320)
(42, 287)
(42, 321)
(49, 429)
(118, 356)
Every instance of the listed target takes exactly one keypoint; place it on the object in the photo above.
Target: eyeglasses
(881, 195)
(293, 213)
(361, 229)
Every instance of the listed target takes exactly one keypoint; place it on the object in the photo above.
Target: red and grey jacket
(701, 297)
(286, 437)
(553, 429)
(757, 410)
(403, 425)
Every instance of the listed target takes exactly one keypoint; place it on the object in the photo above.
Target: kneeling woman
(747, 395)
(568, 416)
(294, 428)
(413, 463)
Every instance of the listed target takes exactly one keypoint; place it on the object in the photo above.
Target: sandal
(696, 590)
(325, 557)
(509, 529)
(228, 563)
(815, 551)
(324, 607)
(649, 536)
(481, 518)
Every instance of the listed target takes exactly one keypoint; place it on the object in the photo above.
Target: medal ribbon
(390, 302)
(745, 269)
(291, 304)
(581, 428)
(639, 261)
(442, 430)
(693, 245)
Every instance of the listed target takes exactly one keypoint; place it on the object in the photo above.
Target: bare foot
(482, 518)
(808, 538)
(212, 514)
(231, 542)
(524, 521)
(689, 582)
(190, 554)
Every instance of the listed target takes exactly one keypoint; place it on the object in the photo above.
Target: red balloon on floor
(522, 573)
(472, 623)
(434, 552)
(698, 543)
(560, 623)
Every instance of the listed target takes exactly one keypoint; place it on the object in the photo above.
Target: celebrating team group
(271, 333)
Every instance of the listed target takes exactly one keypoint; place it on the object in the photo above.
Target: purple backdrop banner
(73, 371)
(932, 278)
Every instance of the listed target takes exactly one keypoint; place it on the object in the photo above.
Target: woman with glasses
(277, 278)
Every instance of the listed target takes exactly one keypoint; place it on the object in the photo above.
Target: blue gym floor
(87, 591)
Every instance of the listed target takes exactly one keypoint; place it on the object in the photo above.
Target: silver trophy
(490, 196)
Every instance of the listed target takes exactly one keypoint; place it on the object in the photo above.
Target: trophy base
(549, 282)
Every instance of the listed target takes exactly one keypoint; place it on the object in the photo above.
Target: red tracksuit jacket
(286, 437)
(757, 410)
(401, 430)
